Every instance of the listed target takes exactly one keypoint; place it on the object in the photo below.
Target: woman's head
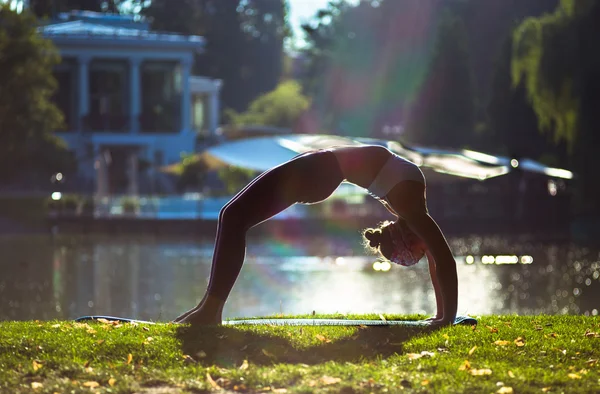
(396, 242)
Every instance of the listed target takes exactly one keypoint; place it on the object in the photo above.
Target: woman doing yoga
(312, 177)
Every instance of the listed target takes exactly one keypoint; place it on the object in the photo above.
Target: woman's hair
(379, 240)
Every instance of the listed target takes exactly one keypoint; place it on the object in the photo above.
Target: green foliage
(543, 57)
(192, 171)
(281, 107)
(235, 178)
(524, 353)
(27, 115)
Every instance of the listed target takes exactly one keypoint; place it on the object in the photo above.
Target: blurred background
(126, 125)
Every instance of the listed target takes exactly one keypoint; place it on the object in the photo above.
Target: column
(84, 94)
(135, 94)
(101, 166)
(186, 97)
(133, 174)
(213, 121)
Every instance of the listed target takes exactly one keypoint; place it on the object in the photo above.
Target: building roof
(92, 27)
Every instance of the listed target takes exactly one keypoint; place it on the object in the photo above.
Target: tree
(49, 8)
(443, 114)
(244, 41)
(555, 56)
(27, 115)
(513, 123)
(281, 107)
(366, 63)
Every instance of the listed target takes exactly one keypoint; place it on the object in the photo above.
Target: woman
(312, 177)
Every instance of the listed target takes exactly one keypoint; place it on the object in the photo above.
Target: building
(129, 99)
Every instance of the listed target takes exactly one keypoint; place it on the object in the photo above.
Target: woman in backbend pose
(312, 177)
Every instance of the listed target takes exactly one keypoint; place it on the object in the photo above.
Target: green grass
(554, 355)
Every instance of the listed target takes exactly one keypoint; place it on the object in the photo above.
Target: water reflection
(156, 278)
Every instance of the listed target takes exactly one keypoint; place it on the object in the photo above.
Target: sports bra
(395, 170)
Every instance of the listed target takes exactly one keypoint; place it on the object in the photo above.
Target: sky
(301, 11)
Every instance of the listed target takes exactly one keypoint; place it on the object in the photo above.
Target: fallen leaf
(545, 389)
(266, 353)
(466, 365)
(145, 329)
(112, 381)
(501, 343)
(414, 356)
(100, 342)
(322, 338)
(36, 365)
(473, 327)
(574, 376)
(425, 382)
(591, 362)
(55, 326)
(480, 372)
(520, 342)
(244, 365)
(538, 328)
(330, 380)
(511, 374)
(91, 384)
(129, 358)
(551, 335)
(91, 331)
(493, 330)
(591, 334)
(36, 385)
(280, 390)
(189, 359)
(472, 350)
(212, 382)
(102, 320)
(505, 390)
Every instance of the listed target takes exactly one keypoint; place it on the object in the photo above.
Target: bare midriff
(361, 164)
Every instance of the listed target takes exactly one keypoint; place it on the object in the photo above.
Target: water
(157, 278)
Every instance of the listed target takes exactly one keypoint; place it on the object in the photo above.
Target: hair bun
(374, 237)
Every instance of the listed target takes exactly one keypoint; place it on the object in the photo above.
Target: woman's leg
(408, 199)
(306, 179)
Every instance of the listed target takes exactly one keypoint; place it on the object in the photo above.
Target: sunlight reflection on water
(158, 278)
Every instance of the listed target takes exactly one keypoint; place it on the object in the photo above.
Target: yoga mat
(113, 318)
(464, 320)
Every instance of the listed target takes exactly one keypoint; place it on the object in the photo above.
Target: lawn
(502, 354)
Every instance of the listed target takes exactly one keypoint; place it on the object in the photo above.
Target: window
(161, 96)
(199, 114)
(108, 95)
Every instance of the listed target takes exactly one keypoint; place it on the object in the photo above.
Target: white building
(129, 99)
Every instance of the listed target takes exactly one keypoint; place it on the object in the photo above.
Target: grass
(521, 354)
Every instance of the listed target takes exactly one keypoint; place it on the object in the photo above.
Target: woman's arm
(436, 287)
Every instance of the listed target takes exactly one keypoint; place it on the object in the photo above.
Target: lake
(158, 277)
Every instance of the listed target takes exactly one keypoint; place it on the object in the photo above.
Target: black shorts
(313, 177)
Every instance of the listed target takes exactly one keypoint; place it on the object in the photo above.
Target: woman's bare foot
(202, 317)
(209, 311)
(179, 318)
